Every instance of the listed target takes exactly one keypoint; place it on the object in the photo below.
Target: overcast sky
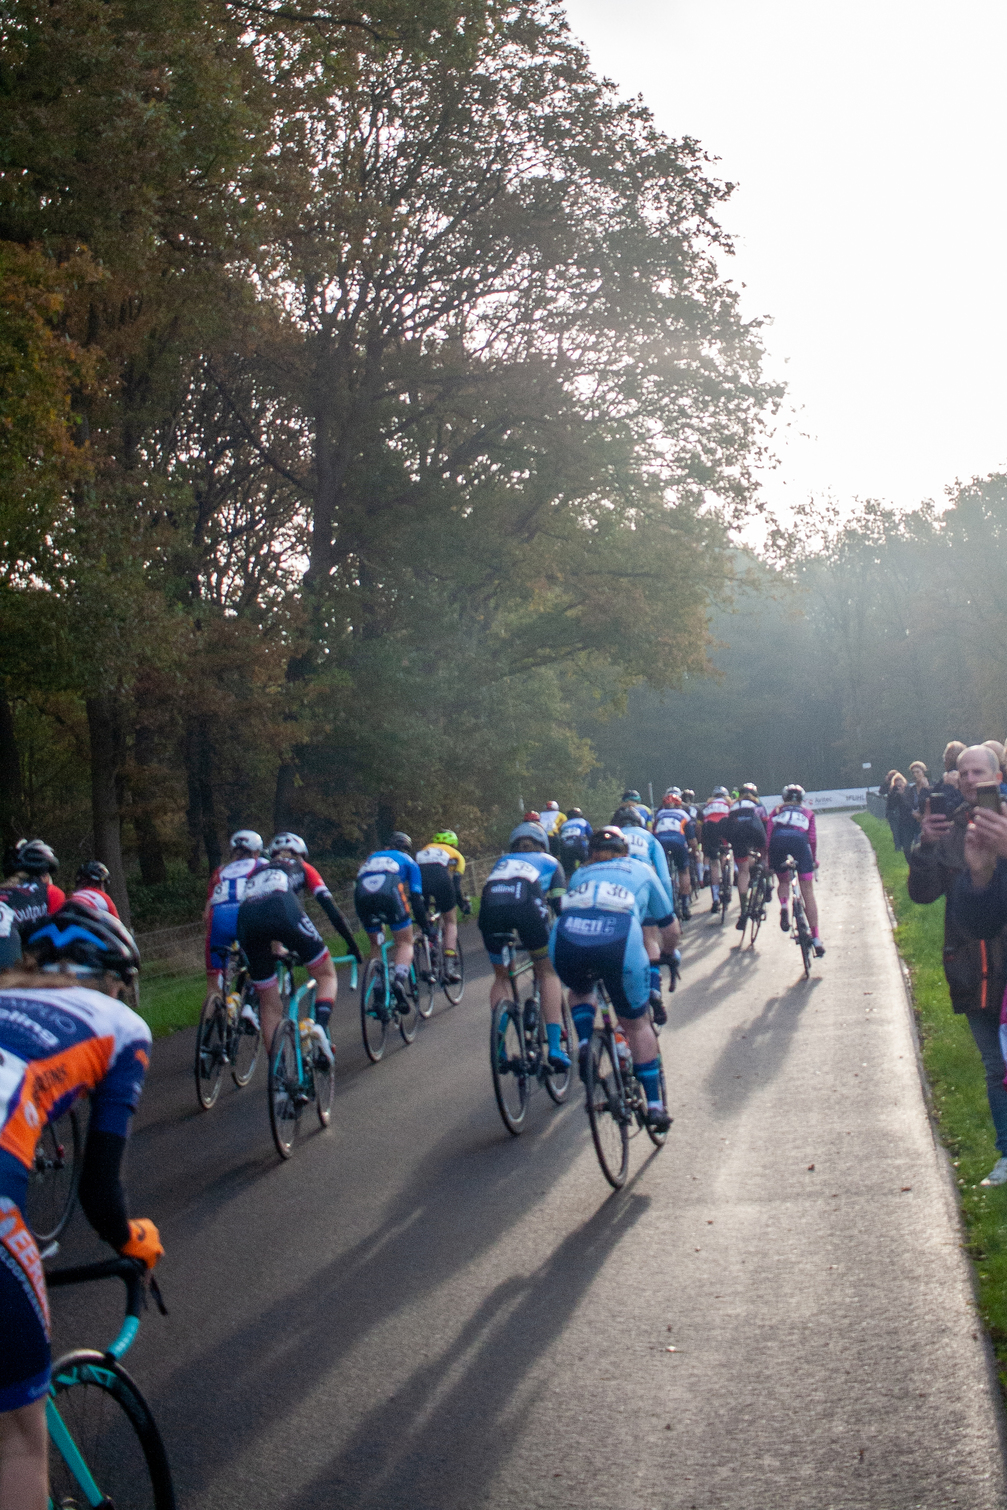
(868, 143)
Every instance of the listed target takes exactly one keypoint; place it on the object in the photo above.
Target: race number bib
(383, 863)
(265, 883)
(792, 817)
(6, 920)
(510, 868)
(608, 895)
(433, 856)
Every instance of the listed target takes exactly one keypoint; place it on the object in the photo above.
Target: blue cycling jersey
(396, 864)
(643, 846)
(622, 885)
(575, 829)
(550, 874)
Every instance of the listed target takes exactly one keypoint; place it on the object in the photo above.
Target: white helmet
(247, 838)
(552, 807)
(288, 841)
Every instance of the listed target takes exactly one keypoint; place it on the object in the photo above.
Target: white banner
(853, 797)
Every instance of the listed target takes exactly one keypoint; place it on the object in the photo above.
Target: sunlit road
(423, 1313)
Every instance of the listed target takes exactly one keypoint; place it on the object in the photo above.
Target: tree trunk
(104, 724)
(148, 841)
(200, 813)
(283, 802)
(12, 815)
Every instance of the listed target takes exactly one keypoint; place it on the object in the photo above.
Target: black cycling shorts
(746, 838)
(25, 1357)
(790, 843)
(714, 835)
(509, 906)
(386, 903)
(439, 886)
(278, 917)
(677, 852)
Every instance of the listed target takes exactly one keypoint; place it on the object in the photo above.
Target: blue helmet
(83, 941)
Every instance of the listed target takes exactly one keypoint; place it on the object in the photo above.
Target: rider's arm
(557, 889)
(416, 897)
(459, 898)
(113, 1103)
(813, 838)
(323, 896)
(659, 860)
(659, 906)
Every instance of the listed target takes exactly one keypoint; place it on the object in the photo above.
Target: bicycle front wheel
(246, 1040)
(509, 1064)
(804, 939)
(409, 1018)
(606, 1110)
(325, 1086)
(426, 971)
(284, 1088)
(454, 989)
(374, 1015)
(100, 1423)
(211, 1051)
(659, 1139)
(558, 1082)
(54, 1177)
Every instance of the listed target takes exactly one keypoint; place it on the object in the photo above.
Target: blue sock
(655, 978)
(323, 1011)
(649, 1076)
(583, 1020)
(554, 1032)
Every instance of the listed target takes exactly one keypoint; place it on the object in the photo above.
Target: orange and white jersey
(59, 1045)
(91, 897)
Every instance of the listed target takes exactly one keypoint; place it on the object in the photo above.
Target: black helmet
(575, 812)
(85, 942)
(609, 837)
(630, 815)
(36, 858)
(93, 872)
(688, 795)
(402, 841)
(629, 795)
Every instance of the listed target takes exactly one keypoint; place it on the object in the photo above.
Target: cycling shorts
(713, 837)
(25, 1359)
(747, 839)
(222, 933)
(512, 905)
(593, 945)
(789, 843)
(276, 916)
(572, 855)
(677, 852)
(387, 902)
(438, 886)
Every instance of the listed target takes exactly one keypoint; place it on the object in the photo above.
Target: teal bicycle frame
(293, 1004)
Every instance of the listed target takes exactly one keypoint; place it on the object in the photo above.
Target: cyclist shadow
(709, 990)
(443, 1458)
(757, 1050)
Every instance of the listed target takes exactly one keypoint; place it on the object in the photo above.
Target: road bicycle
(381, 1009)
(519, 1044)
(695, 877)
(757, 899)
(800, 929)
(726, 859)
(54, 1176)
(431, 967)
(299, 1069)
(105, 1448)
(228, 1034)
(616, 1101)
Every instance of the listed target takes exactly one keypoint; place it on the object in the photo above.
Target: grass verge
(957, 1081)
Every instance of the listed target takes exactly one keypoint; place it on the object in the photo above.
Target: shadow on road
(756, 1050)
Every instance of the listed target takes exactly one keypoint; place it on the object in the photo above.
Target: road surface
(421, 1313)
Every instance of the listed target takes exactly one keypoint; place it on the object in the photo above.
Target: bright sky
(868, 141)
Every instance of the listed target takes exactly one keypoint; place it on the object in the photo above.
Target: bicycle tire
(246, 1042)
(284, 1088)
(409, 1020)
(211, 1049)
(659, 1139)
(606, 1110)
(454, 990)
(509, 1065)
(115, 1433)
(558, 1082)
(324, 1074)
(804, 938)
(54, 1177)
(374, 1015)
(756, 908)
(425, 965)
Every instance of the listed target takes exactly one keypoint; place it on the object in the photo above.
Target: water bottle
(233, 1007)
(623, 1050)
(305, 1026)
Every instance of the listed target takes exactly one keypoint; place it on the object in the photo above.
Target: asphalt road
(421, 1312)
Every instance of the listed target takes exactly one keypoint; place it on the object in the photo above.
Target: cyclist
(223, 898)
(573, 837)
(689, 803)
(64, 1033)
(599, 936)
(516, 898)
(792, 834)
(712, 837)
(675, 831)
(642, 845)
(552, 821)
(388, 885)
(270, 912)
(90, 886)
(744, 830)
(442, 866)
(27, 895)
(632, 796)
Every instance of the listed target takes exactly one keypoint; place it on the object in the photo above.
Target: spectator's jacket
(976, 968)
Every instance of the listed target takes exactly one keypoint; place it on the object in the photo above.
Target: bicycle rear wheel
(96, 1407)
(245, 1040)
(324, 1074)
(374, 1015)
(804, 938)
(54, 1177)
(659, 1139)
(558, 1082)
(606, 1110)
(424, 955)
(455, 989)
(509, 1064)
(284, 1088)
(211, 1053)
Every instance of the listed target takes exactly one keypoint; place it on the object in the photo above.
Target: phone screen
(988, 795)
(938, 805)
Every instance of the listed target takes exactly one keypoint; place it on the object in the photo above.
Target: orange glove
(144, 1243)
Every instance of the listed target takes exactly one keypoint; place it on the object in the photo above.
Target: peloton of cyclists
(792, 834)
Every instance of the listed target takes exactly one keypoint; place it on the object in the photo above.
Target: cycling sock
(451, 954)
(676, 955)
(715, 888)
(655, 978)
(554, 1032)
(402, 972)
(323, 1011)
(649, 1076)
(583, 1020)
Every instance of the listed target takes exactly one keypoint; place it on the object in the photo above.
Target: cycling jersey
(643, 846)
(716, 810)
(552, 820)
(743, 829)
(271, 911)
(575, 831)
(599, 935)
(442, 854)
(792, 834)
(549, 873)
(673, 823)
(621, 885)
(23, 905)
(90, 896)
(389, 889)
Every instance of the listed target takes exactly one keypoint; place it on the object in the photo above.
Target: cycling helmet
(532, 817)
(688, 795)
(533, 831)
(673, 791)
(92, 873)
(84, 941)
(36, 858)
(402, 841)
(720, 791)
(288, 841)
(793, 793)
(749, 789)
(575, 812)
(248, 840)
(610, 838)
(624, 815)
(629, 795)
(672, 799)
(446, 836)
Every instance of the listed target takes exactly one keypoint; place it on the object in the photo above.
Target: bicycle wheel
(324, 1074)
(606, 1110)
(756, 909)
(424, 957)
(558, 1082)
(54, 1177)
(804, 938)
(409, 1020)
(245, 1040)
(284, 1088)
(659, 1139)
(211, 1051)
(374, 1015)
(454, 989)
(509, 1064)
(110, 1424)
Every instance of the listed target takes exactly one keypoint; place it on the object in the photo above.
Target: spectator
(919, 791)
(975, 959)
(898, 811)
(886, 785)
(949, 781)
(998, 750)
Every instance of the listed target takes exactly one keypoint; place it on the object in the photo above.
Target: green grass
(957, 1081)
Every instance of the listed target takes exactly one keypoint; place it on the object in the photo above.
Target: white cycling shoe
(320, 1038)
(249, 1015)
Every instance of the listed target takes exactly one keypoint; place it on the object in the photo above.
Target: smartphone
(988, 795)
(938, 805)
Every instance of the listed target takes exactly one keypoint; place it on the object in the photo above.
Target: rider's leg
(402, 952)
(810, 904)
(744, 866)
(652, 945)
(270, 1008)
(500, 989)
(551, 996)
(23, 1469)
(714, 881)
(629, 997)
(449, 917)
(324, 972)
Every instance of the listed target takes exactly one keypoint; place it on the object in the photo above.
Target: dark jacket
(976, 968)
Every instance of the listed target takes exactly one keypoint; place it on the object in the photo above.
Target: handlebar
(137, 1280)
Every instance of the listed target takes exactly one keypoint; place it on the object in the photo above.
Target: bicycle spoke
(114, 1434)
(54, 1177)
